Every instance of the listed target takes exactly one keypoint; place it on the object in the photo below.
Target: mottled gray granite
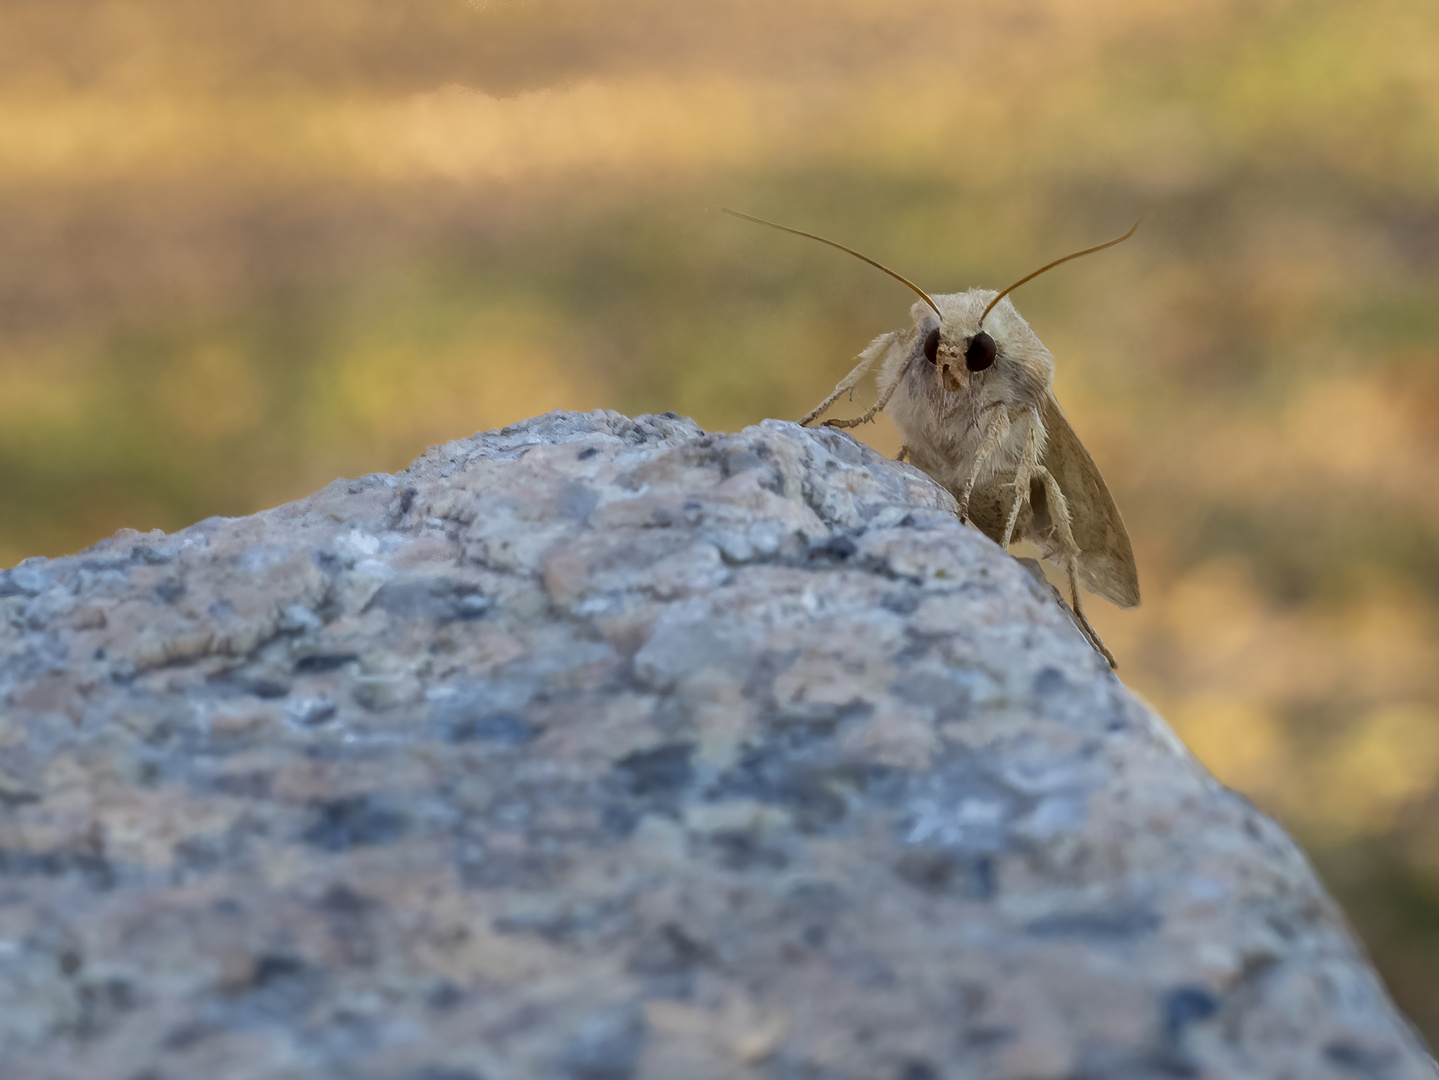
(600, 748)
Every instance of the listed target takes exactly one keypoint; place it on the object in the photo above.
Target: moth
(971, 388)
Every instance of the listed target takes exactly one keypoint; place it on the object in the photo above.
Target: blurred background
(245, 249)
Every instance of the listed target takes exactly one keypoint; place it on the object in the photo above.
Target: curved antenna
(1051, 266)
(864, 258)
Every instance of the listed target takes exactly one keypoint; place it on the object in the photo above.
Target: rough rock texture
(601, 748)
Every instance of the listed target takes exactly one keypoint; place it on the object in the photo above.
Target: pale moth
(970, 388)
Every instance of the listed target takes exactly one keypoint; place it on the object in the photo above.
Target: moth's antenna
(865, 258)
(1051, 266)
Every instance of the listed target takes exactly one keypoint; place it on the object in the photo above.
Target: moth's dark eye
(980, 353)
(931, 345)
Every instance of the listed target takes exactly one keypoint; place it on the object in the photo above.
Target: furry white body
(969, 429)
(997, 439)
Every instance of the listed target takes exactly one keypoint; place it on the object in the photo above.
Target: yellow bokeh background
(245, 249)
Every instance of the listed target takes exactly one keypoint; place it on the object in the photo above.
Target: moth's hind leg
(1072, 566)
(873, 351)
(1059, 515)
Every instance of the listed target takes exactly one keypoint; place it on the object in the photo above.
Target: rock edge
(600, 748)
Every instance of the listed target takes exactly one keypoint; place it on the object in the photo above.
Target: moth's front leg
(885, 392)
(873, 351)
(994, 435)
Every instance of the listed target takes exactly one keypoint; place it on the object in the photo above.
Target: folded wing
(1106, 559)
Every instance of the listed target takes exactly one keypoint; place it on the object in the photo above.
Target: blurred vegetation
(246, 249)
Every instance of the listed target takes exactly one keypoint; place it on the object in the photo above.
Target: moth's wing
(1106, 560)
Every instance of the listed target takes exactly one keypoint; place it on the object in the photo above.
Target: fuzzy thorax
(944, 411)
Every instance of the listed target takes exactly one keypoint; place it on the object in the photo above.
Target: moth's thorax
(943, 409)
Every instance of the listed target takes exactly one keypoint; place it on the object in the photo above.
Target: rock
(600, 748)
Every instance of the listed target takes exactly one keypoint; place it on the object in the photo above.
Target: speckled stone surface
(601, 748)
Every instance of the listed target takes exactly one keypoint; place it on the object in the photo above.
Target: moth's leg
(1059, 513)
(994, 434)
(903, 453)
(870, 413)
(884, 395)
(1019, 500)
(1022, 476)
(846, 383)
(872, 352)
(1072, 565)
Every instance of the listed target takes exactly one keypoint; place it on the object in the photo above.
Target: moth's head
(965, 345)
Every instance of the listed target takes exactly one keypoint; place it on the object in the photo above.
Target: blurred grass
(246, 250)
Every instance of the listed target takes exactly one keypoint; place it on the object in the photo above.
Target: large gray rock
(600, 748)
